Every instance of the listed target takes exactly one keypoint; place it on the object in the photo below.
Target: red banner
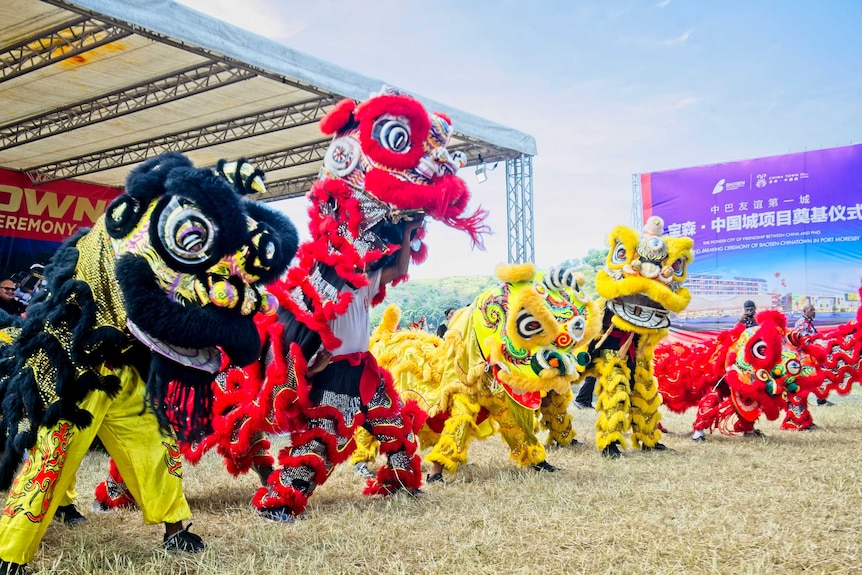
(49, 212)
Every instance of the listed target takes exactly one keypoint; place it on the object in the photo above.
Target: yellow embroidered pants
(148, 460)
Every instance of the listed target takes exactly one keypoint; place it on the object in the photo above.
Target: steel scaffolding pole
(519, 203)
(637, 203)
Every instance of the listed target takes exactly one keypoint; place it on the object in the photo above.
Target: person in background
(748, 313)
(441, 329)
(8, 303)
(805, 326)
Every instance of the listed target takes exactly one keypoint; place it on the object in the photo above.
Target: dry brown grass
(789, 504)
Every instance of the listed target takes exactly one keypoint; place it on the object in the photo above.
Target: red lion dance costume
(841, 367)
(741, 375)
(387, 165)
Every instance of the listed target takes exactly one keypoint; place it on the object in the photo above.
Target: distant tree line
(431, 298)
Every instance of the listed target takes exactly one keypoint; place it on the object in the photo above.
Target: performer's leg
(392, 426)
(112, 493)
(745, 427)
(645, 401)
(584, 400)
(50, 469)
(148, 460)
(614, 404)
(707, 413)
(797, 417)
(66, 510)
(305, 465)
(69, 496)
(516, 426)
(460, 428)
(556, 419)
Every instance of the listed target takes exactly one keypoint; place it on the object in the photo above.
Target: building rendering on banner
(780, 231)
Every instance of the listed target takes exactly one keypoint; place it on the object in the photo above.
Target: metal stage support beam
(519, 204)
(298, 114)
(637, 203)
(168, 88)
(60, 43)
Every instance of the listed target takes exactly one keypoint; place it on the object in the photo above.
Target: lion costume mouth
(641, 311)
(206, 359)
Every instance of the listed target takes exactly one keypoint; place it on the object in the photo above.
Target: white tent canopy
(90, 88)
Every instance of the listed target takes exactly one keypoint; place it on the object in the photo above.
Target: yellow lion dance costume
(641, 284)
(500, 358)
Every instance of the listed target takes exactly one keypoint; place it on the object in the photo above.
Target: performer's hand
(321, 360)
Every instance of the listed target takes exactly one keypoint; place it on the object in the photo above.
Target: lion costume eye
(619, 255)
(678, 267)
(758, 349)
(577, 327)
(527, 325)
(186, 232)
(393, 134)
(794, 367)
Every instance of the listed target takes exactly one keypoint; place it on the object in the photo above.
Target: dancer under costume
(345, 390)
(168, 277)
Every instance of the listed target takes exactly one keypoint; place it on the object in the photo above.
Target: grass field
(789, 503)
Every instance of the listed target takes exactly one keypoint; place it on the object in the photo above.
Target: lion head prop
(388, 163)
(530, 330)
(643, 277)
(762, 368)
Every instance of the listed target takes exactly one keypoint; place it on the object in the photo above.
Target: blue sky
(607, 88)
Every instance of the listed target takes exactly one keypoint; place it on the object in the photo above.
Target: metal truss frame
(289, 188)
(301, 113)
(519, 212)
(162, 39)
(60, 43)
(127, 100)
(637, 203)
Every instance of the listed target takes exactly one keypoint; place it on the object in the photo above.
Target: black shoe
(545, 466)
(437, 477)
(699, 439)
(825, 403)
(7, 568)
(576, 443)
(185, 541)
(263, 473)
(612, 451)
(70, 515)
(580, 405)
(656, 447)
(754, 433)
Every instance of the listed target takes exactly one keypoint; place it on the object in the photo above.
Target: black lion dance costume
(166, 282)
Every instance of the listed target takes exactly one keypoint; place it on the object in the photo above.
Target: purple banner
(781, 230)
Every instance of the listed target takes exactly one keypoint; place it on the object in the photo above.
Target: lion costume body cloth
(642, 282)
(163, 284)
(841, 367)
(501, 356)
(387, 165)
(739, 376)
